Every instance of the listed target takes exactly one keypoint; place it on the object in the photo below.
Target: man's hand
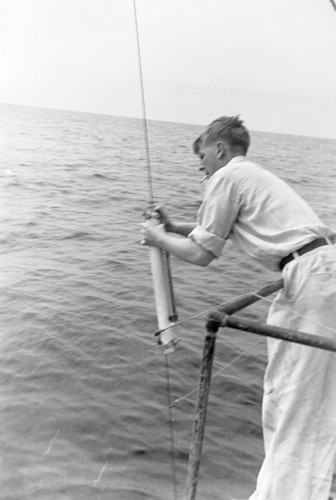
(152, 233)
(165, 219)
(181, 228)
(183, 248)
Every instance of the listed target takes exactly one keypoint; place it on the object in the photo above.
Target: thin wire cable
(205, 311)
(144, 114)
(219, 372)
(317, 323)
(265, 299)
(171, 425)
(268, 301)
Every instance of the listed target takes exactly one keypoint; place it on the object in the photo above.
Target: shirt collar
(236, 159)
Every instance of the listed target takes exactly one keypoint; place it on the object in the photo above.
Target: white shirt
(258, 211)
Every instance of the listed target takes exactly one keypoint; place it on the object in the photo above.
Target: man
(271, 223)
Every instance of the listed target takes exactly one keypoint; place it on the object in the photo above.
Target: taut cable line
(161, 276)
(317, 323)
(229, 306)
(144, 114)
(223, 369)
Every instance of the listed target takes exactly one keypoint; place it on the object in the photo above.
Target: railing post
(200, 417)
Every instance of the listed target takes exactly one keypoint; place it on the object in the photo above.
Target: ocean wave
(84, 404)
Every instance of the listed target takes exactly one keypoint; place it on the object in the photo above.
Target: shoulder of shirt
(240, 166)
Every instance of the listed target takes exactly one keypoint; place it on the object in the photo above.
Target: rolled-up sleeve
(217, 214)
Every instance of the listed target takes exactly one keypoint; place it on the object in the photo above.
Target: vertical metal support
(214, 321)
(201, 409)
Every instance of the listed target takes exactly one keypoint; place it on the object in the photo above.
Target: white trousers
(299, 405)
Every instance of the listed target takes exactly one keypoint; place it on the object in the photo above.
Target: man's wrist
(161, 241)
(171, 227)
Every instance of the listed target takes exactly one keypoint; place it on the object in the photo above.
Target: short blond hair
(228, 128)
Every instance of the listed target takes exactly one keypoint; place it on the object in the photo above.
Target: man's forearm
(185, 249)
(183, 228)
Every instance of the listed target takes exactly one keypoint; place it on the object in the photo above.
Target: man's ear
(220, 150)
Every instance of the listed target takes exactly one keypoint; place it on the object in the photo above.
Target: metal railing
(222, 318)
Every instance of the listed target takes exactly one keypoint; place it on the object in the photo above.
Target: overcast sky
(272, 61)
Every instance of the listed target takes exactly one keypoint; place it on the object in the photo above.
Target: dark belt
(319, 242)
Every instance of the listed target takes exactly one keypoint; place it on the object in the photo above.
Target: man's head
(225, 138)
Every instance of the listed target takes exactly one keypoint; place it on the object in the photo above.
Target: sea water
(83, 384)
